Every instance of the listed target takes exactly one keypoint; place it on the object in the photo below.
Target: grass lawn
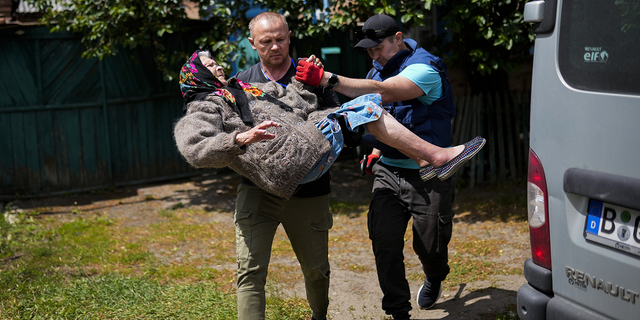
(89, 265)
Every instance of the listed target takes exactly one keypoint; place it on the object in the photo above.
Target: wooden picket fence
(503, 119)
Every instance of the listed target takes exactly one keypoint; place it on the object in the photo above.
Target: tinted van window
(600, 45)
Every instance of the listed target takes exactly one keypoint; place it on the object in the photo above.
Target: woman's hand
(315, 60)
(256, 134)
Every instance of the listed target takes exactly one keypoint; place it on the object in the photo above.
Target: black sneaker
(401, 316)
(428, 294)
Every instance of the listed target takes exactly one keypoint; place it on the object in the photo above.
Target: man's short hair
(269, 16)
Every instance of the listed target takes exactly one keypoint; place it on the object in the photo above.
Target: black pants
(399, 195)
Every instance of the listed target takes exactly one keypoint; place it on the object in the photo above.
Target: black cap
(376, 29)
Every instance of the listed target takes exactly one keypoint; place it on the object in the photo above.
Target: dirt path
(355, 293)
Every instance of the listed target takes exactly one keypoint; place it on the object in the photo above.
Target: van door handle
(542, 14)
(606, 187)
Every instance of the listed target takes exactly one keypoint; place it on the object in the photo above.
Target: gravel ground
(355, 293)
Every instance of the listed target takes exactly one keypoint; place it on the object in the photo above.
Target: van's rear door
(585, 128)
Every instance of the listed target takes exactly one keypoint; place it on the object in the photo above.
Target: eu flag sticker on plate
(595, 215)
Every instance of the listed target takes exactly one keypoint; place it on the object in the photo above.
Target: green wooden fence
(503, 119)
(70, 124)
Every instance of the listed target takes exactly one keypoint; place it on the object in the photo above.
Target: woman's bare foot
(450, 153)
(442, 157)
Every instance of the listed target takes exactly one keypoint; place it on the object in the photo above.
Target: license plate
(613, 226)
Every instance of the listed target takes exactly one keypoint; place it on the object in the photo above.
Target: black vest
(430, 122)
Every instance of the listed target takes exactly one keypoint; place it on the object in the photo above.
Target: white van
(584, 164)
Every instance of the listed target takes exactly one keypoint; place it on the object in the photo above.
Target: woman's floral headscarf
(197, 82)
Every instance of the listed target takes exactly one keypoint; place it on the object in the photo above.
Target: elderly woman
(276, 137)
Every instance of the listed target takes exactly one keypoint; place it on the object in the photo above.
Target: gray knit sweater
(206, 135)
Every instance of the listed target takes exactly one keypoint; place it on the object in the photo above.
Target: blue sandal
(471, 148)
(427, 173)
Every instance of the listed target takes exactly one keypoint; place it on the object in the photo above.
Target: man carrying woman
(278, 138)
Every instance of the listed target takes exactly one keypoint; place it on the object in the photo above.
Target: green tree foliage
(487, 31)
(484, 36)
(488, 38)
(106, 25)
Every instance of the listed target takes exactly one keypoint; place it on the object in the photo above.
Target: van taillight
(538, 209)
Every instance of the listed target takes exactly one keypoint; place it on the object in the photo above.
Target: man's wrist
(333, 81)
(325, 79)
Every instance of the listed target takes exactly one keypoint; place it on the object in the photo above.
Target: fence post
(501, 139)
(105, 106)
(508, 104)
(525, 115)
(488, 110)
(475, 115)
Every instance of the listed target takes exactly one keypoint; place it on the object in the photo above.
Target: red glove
(367, 163)
(309, 73)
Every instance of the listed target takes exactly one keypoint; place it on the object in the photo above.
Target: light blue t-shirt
(428, 79)
(425, 77)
